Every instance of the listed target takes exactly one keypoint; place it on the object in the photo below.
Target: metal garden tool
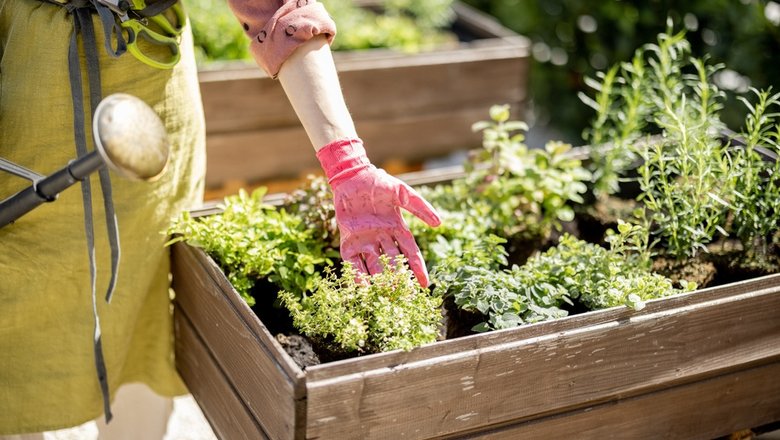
(129, 137)
(157, 31)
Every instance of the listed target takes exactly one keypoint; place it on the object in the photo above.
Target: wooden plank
(266, 379)
(766, 284)
(253, 155)
(553, 372)
(387, 87)
(701, 410)
(228, 416)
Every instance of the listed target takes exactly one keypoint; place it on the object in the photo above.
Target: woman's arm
(310, 80)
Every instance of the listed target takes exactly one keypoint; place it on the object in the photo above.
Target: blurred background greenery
(574, 39)
(406, 25)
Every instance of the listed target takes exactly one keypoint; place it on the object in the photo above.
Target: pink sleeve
(278, 27)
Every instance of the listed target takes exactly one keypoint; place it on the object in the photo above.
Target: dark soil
(299, 348)
(594, 220)
(456, 322)
(697, 270)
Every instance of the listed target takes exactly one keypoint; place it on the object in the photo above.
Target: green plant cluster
(313, 202)
(405, 25)
(512, 191)
(217, 34)
(368, 314)
(539, 290)
(252, 240)
(292, 247)
(574, 39)
(696, 185)
(756, 201)
(509, 190)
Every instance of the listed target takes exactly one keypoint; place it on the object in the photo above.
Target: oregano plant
(251, 240)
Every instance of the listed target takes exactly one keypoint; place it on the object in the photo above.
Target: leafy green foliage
(313, 203)
(756, 204)
(507, 298)
(540, 289)
(695, 186)
(685, 172)
(510, 190)
(600, 277)
(252, 240)
(217, 34)
(573, 39)
(530, 191)
(367, 314)
(405, 25)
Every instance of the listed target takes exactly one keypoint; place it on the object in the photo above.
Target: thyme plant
(367, 314)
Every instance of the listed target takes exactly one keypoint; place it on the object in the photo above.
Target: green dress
(47, 368)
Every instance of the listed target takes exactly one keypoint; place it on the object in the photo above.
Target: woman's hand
(368, 202)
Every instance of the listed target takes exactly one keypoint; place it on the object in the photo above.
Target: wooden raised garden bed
(697, 365)
(406, 106)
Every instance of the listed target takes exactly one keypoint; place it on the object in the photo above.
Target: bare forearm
(310, 80)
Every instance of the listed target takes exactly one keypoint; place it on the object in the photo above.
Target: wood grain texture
(254, 155)
(552, 372)
(221, 405)
(702, 410)
(511, 383)
(266, 379)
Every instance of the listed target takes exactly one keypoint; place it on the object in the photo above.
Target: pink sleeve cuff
(277, 28)
(341, 158)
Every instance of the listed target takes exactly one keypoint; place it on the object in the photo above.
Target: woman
(48, 336)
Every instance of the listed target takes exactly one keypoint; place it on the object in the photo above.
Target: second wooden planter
(406, 106)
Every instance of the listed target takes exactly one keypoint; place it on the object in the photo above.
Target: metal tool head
(130, 137)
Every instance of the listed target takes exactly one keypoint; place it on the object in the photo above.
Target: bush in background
(573, 39)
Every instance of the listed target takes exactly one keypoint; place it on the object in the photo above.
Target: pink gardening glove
(367, 203)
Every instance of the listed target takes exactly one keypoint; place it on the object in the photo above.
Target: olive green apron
(47, 363)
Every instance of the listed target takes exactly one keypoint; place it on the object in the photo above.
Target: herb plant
(509, 190)
(253, 240)
(313, 202)
(367, 314)
(686, 171)
(573, 270)
(756, 204)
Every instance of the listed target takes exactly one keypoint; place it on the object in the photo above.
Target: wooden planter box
(692, 366)
(408, 107)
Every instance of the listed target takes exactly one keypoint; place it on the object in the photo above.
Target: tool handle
(136, 29)
(48, 188)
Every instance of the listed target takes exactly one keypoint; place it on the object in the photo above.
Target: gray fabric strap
(82, 24)
(155, 8)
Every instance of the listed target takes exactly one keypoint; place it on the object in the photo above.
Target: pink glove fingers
(357, 263)
(389, 247)
(368, 203)
(409, 247)
(413, 202)
(371, 257)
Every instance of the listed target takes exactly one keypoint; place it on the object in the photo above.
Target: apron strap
(82, 24)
